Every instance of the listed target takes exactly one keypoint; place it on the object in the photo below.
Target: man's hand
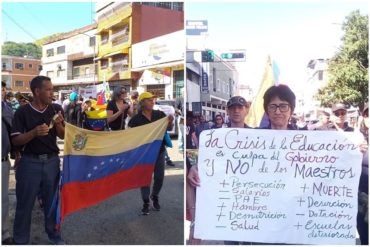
(41, 130)
(364, 147)
(193, 176)
(58, 118)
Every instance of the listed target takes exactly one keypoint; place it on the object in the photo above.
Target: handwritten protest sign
(270, 186)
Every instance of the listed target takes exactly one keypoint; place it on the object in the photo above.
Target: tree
(11, 48)
(348, 69)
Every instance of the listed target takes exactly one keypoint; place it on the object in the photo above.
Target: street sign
(204, 88)
(196, 27)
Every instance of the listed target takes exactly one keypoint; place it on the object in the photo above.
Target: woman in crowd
(118, 109)
(279, 104)
(219, 122)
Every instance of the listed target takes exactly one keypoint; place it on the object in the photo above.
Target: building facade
(123, 24)
(17, 72)
(215, 82)
(317, 77)
(69, 59)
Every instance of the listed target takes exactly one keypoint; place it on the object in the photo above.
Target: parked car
(168, 107)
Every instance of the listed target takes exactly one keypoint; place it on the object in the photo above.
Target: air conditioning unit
(59, 66)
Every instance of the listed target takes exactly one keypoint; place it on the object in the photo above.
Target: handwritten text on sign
(278, 186)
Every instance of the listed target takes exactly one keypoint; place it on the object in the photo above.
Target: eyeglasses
(340, 113)
(218, 119)
(282, 107)
(123, 92)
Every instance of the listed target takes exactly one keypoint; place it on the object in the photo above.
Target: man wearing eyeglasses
(339, 117)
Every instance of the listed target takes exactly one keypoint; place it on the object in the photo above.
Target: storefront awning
(158, 66)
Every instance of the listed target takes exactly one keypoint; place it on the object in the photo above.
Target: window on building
(61, 49)
(76, 72)
(4, 66)
(321, 75)
(92, 41)
(178, 83)
(87, 71)
(50, 73)
(104, 63)
(50, 52)
(119, 34)
(120, 62)
(19, 83)
(30, 66)
(104, 38)
(166, 5)
(19, 65)
(61, 73)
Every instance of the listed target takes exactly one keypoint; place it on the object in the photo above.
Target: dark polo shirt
(139, 119)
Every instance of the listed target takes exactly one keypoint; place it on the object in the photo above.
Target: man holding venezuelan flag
(147, 115)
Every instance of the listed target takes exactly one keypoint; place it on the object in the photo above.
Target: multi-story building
(17, 72)
(68, 59)
(122, 24)
(209, 84)
(317, 77)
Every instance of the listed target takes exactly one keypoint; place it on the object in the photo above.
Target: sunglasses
(340, 113)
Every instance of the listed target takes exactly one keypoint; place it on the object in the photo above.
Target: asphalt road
(118, 220)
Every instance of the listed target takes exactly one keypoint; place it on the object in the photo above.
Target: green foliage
(43, 40)
(11, 48)
(348, 69)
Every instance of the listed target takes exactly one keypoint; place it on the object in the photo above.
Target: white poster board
(271, 186)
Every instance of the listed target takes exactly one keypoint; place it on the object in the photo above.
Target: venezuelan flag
(98, 165)
(256, 116)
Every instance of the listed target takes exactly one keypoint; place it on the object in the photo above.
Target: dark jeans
(158, 179)
(31, 174)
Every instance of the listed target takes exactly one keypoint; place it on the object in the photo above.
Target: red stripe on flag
(78, 195)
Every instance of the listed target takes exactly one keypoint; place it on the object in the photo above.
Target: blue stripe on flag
(82, 168)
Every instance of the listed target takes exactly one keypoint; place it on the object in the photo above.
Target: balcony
(119, 40)
(82, 76)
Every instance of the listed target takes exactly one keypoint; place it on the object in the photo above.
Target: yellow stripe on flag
(254, 117)
(98, 143)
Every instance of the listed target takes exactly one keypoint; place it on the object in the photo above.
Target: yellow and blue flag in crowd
(256, 116)
(100, 164)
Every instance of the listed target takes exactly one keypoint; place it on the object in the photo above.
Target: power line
(18, 25)
(33, 16)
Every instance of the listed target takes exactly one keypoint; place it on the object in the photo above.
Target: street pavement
(118, 220)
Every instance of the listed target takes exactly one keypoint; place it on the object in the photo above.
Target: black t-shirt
(116, 124)
(27, 118)
(139, 119)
